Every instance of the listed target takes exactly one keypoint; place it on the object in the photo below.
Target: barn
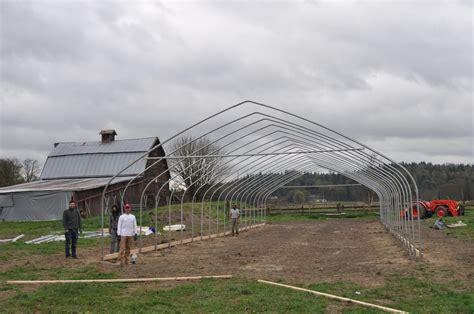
(80, 170)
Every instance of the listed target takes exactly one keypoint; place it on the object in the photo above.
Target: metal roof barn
(96, 159)
(61, 185)
(80, 170)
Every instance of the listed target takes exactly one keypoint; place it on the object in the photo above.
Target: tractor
(440, 208)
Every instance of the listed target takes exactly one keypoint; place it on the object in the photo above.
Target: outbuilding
(80, 171)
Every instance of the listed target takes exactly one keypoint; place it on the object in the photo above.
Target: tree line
(14, 171)
(434, 181)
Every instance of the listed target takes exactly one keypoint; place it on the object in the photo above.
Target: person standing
(113, 225)
(126, 230)
(72, 224)
(234, 215)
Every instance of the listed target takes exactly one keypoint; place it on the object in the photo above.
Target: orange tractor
(440, 208)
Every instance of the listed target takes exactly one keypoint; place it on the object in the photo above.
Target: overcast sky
(396, 75)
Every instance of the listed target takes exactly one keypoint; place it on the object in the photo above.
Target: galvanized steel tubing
(264, 150)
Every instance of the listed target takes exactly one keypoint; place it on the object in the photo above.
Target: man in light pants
(234, 215)
(126, 230)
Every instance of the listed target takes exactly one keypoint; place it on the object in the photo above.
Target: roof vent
(108, 135)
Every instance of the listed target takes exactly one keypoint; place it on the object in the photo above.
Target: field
(352, 256)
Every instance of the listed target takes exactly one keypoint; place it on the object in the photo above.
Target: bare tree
(197, 172)
(370, 192)
(31, 170)
(10, 172)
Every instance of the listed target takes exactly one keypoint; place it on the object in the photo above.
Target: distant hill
(453, 181)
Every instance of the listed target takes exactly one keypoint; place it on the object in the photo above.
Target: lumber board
(335, 297)
(30, 282)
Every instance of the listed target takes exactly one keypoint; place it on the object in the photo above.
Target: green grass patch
(31, 229)
(461, 232)
(55, 273)
(226, 296)
(363, 215)
(205, 296)
(238, 295)
(75, 298)
(34, 229)
(43, 273)
(408, 294)
(213, 209)
(10, 251)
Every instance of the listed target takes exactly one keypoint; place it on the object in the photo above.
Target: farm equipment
(440, 208)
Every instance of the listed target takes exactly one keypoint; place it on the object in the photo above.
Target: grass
(31, 229)
(35, 229)
(462, 232)
(361, 214)
(10, 251)
(226, 296)
(407, 293)
(239, 295)
(421, 294)
(67, 298)
(33, 272)
(208, 295)
(39, 228)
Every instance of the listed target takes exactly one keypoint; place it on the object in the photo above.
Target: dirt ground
(306, 252)
(362, 252)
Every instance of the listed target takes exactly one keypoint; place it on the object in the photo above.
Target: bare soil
(362, 252)
(358, 251)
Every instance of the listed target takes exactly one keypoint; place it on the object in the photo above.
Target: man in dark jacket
(113, 223)
(72, 224)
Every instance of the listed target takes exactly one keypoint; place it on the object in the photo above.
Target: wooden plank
(28, 282)
(174, 243)
(335, 297)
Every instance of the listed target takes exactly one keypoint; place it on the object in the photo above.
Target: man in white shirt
(234, 215)
(126, 230)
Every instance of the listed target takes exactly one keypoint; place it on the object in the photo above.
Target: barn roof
(96, 159)
(61, 185)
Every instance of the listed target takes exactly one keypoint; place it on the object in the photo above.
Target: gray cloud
(396, 75)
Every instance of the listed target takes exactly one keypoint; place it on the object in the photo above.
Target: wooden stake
(335, 297)
(28, 282)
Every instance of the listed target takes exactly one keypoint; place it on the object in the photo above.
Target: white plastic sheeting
(174, 227)
(30, 206)
(43, 199)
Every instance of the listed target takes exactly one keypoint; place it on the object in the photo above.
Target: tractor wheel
(441, 211)
(461, 210)
(422, 212)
